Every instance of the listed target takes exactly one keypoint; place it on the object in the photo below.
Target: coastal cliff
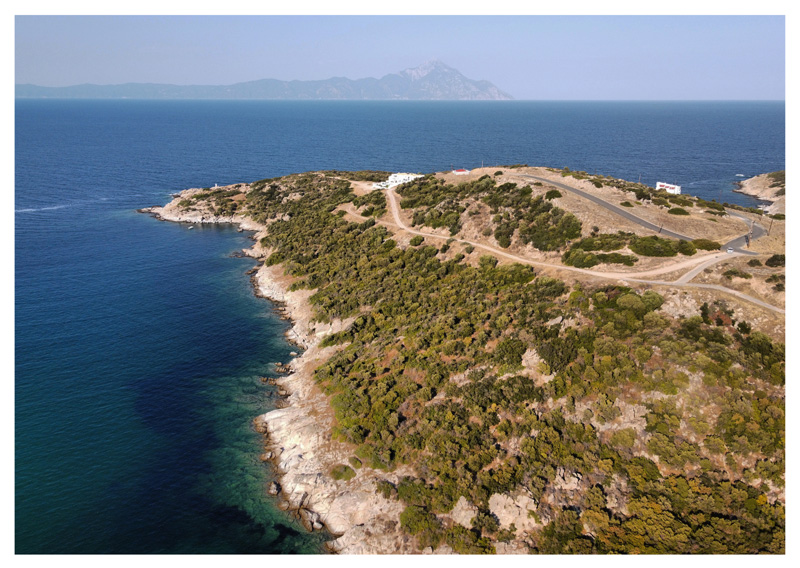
(298, 437)
(446, 403)
(767, 187)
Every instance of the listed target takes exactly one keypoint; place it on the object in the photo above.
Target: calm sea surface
(139, 344)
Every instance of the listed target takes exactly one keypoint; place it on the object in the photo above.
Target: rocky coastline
(761, 187)
(298, 437)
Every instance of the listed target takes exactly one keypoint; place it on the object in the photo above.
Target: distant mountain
(431, 81)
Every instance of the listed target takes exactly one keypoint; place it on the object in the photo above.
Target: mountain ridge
(433, 80)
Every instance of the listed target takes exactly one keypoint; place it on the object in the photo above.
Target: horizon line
(392, 100)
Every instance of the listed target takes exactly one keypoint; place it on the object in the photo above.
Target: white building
(395, 179)
(668, 187)
(461, 172)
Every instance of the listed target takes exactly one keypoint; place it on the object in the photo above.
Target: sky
(530, 57)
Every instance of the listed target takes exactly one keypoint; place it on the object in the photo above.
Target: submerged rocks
(260, 425)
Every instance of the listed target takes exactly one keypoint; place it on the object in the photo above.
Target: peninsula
(520, 360)
(768, 187)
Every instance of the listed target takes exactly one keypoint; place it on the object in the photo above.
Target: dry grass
(755, 286)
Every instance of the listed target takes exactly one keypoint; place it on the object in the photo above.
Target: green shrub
(626, 204)
(498, 173)
(776, 260)
(706, 244)
(778, 178)
(418, 521)
(552, 194)
(417, 240)
(624, 438)
(778, 216)
(654, 246)
(617, 258)
(754, 262)
(686, 248)
(736, 273)
(678, 211)
(579, 258)
(342, 472)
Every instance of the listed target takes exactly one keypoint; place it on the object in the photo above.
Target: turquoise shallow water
(139, 344)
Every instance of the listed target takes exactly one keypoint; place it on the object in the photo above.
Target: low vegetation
(516, 214)
(672, 428)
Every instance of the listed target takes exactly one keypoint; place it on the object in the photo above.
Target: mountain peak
(433, 80)
(416, 73)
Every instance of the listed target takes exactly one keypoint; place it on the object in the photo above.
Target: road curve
(703, 262)
(737, 244)
(613, 208)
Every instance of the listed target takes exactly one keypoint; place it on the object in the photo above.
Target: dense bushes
(706, 244)
(678, 211)
(343, 472)
(374, 203)
(430, 375)
(776, 260)
(533, 219)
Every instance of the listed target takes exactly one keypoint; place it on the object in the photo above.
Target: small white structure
(461, 172)
(395, 179)
(668, 187)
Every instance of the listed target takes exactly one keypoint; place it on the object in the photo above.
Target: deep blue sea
(139, 345)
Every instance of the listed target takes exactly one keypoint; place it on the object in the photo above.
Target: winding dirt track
(695, 264)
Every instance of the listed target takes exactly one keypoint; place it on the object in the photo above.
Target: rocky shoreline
(760, 187)
(298, 434)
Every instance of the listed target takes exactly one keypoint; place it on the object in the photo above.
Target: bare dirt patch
(697, 224)
(756, 286)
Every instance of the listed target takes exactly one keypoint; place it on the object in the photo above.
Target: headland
(481, 374)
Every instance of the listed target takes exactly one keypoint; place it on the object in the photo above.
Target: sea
(139, 345)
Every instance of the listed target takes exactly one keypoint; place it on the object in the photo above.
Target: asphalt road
(738, 244)
(394, 207)
(613, 208)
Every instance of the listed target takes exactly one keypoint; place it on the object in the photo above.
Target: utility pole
(770, 225)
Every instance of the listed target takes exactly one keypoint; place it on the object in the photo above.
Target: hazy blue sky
(531, 57)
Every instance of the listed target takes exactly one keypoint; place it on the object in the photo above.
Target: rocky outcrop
(463, 512)
(765, 188)
(514, 511)
(298, 434)
(300, 437)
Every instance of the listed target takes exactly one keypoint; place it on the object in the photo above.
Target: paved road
(613, 208)
(738, 244)
(736, 293)
(392, 200)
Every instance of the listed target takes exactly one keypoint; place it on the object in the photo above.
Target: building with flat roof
(669, 188)
(395, 179)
